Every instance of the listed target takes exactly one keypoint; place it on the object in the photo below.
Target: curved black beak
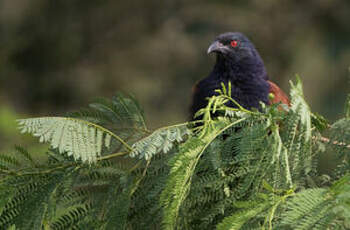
(216, 46)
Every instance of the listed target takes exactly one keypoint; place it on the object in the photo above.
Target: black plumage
(239, 62)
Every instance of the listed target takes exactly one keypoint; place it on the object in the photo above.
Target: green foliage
(77, 138)
(161, 140)
(119, 113)
(320, 208)
(83, 135)
(250, 210)
(232, 169)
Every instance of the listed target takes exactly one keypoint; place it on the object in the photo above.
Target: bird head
(233, 46)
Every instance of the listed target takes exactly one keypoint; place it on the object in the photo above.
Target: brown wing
(279, 95)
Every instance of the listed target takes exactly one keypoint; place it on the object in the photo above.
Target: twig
(328, 141)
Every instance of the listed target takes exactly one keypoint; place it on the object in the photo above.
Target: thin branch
(112, 156)
(328, 141)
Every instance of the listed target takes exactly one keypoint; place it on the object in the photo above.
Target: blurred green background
(57, 56)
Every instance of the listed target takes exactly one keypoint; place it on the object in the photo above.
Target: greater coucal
(238, 62)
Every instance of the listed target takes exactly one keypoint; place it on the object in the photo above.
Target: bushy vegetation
(232, 169)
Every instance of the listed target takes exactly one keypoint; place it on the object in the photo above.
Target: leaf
(182, 169)
(78, 138)
(238, 219)
(299, 105)
(161, 140)
(319, 208)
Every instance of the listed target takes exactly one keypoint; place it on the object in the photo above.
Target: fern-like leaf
(70, 218)
(238, 219)
(78, 138)
(161, 140)
(182, 168)
(319, 208)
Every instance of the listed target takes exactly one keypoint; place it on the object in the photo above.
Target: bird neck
(244, 70)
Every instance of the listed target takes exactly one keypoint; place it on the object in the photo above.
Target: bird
(238, 62)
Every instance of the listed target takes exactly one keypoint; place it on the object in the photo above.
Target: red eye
(234, 43)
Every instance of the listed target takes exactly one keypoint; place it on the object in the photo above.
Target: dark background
(57, 56)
